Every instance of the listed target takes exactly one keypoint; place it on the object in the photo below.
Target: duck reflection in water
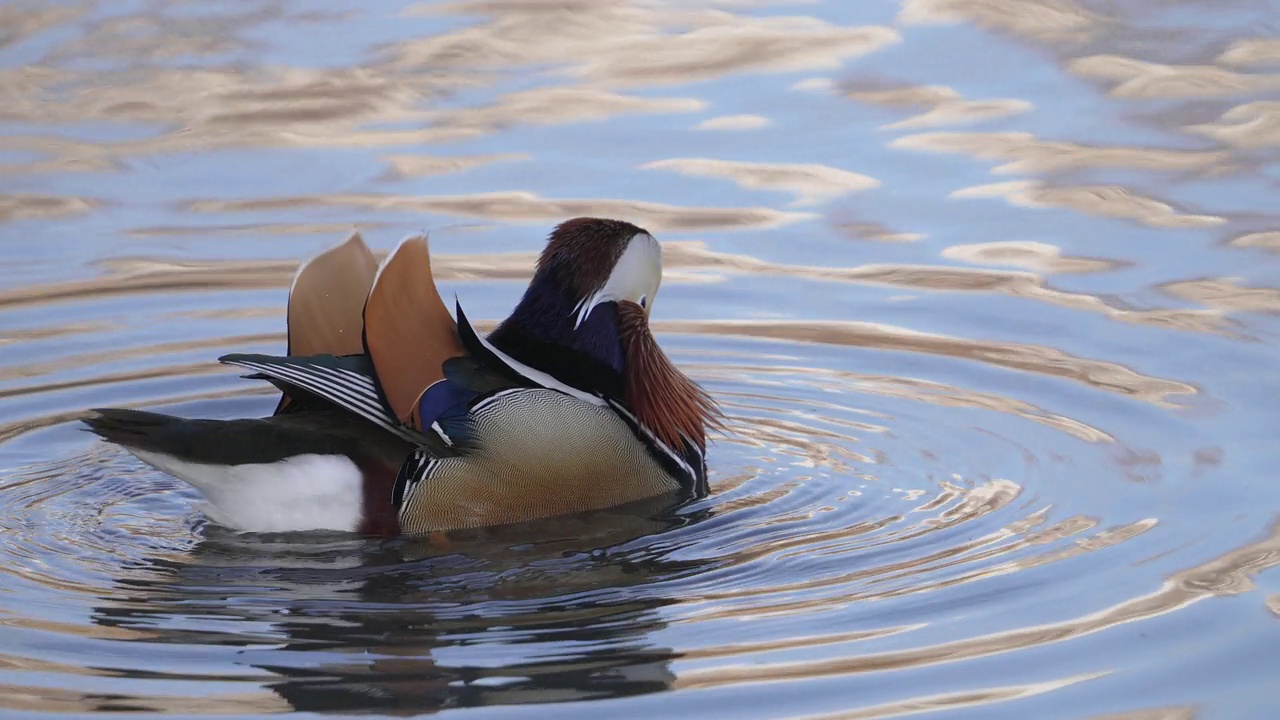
(551, 611)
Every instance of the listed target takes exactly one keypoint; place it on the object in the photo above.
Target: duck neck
(543, 332)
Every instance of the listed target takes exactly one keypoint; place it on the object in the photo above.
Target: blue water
(986, 287)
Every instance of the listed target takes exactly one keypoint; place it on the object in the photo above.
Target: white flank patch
(304, 492)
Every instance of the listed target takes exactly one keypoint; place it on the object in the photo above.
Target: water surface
(986, 287)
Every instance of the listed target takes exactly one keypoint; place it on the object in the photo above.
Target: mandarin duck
(395, 418)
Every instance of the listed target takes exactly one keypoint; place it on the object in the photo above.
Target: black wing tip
(123, 426)
(354, 360)
(238, 358)
(106, 414)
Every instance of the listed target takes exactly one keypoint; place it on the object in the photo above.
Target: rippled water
(987, 287)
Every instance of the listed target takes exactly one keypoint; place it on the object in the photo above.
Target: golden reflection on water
(137, 276)
(1048, 21)
(686, 261)
(30, 207)
(616, 60)
(1228, 574)
(88, 360)
(1132, 78)
(1185, 712)
(19, 336)
(734, 123)
(1249, 126)
(941, 105)
(1227, 295)
(279, 228)
(1254, 52)
(403, 166)
(875, 232)
(1017, 546)
(11, 430)
(22, 698)
(519, 206)
(1111, 201)
(1036, 257)
(887, 386)
(608, 43)
(811, 184)
(693, 255)
(556, 105)
(132, 376)
(621, 43)
(1267, 240)
(1096, 373)
(1099, 374)
(1024, 153)
(954, 701)
(793, 643)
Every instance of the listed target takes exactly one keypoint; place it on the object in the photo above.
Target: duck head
(566, 323)
(603, 261)
(585, 320)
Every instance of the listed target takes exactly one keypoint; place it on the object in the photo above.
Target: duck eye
(643, 302)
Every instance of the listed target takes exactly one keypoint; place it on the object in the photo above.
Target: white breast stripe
(416, 480)
(440, 431)
(490, 400)
(663, 446)
(539, 377)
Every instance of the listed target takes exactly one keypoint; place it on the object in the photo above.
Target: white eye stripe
(635, 277)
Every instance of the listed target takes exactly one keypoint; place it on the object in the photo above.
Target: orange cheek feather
(671, 405)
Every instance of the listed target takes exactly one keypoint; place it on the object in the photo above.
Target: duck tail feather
(408, 331)
(326, 302)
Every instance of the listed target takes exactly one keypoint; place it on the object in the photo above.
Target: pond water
(988, 289)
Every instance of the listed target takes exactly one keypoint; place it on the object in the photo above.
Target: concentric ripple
(861, 524)
(987, 289)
